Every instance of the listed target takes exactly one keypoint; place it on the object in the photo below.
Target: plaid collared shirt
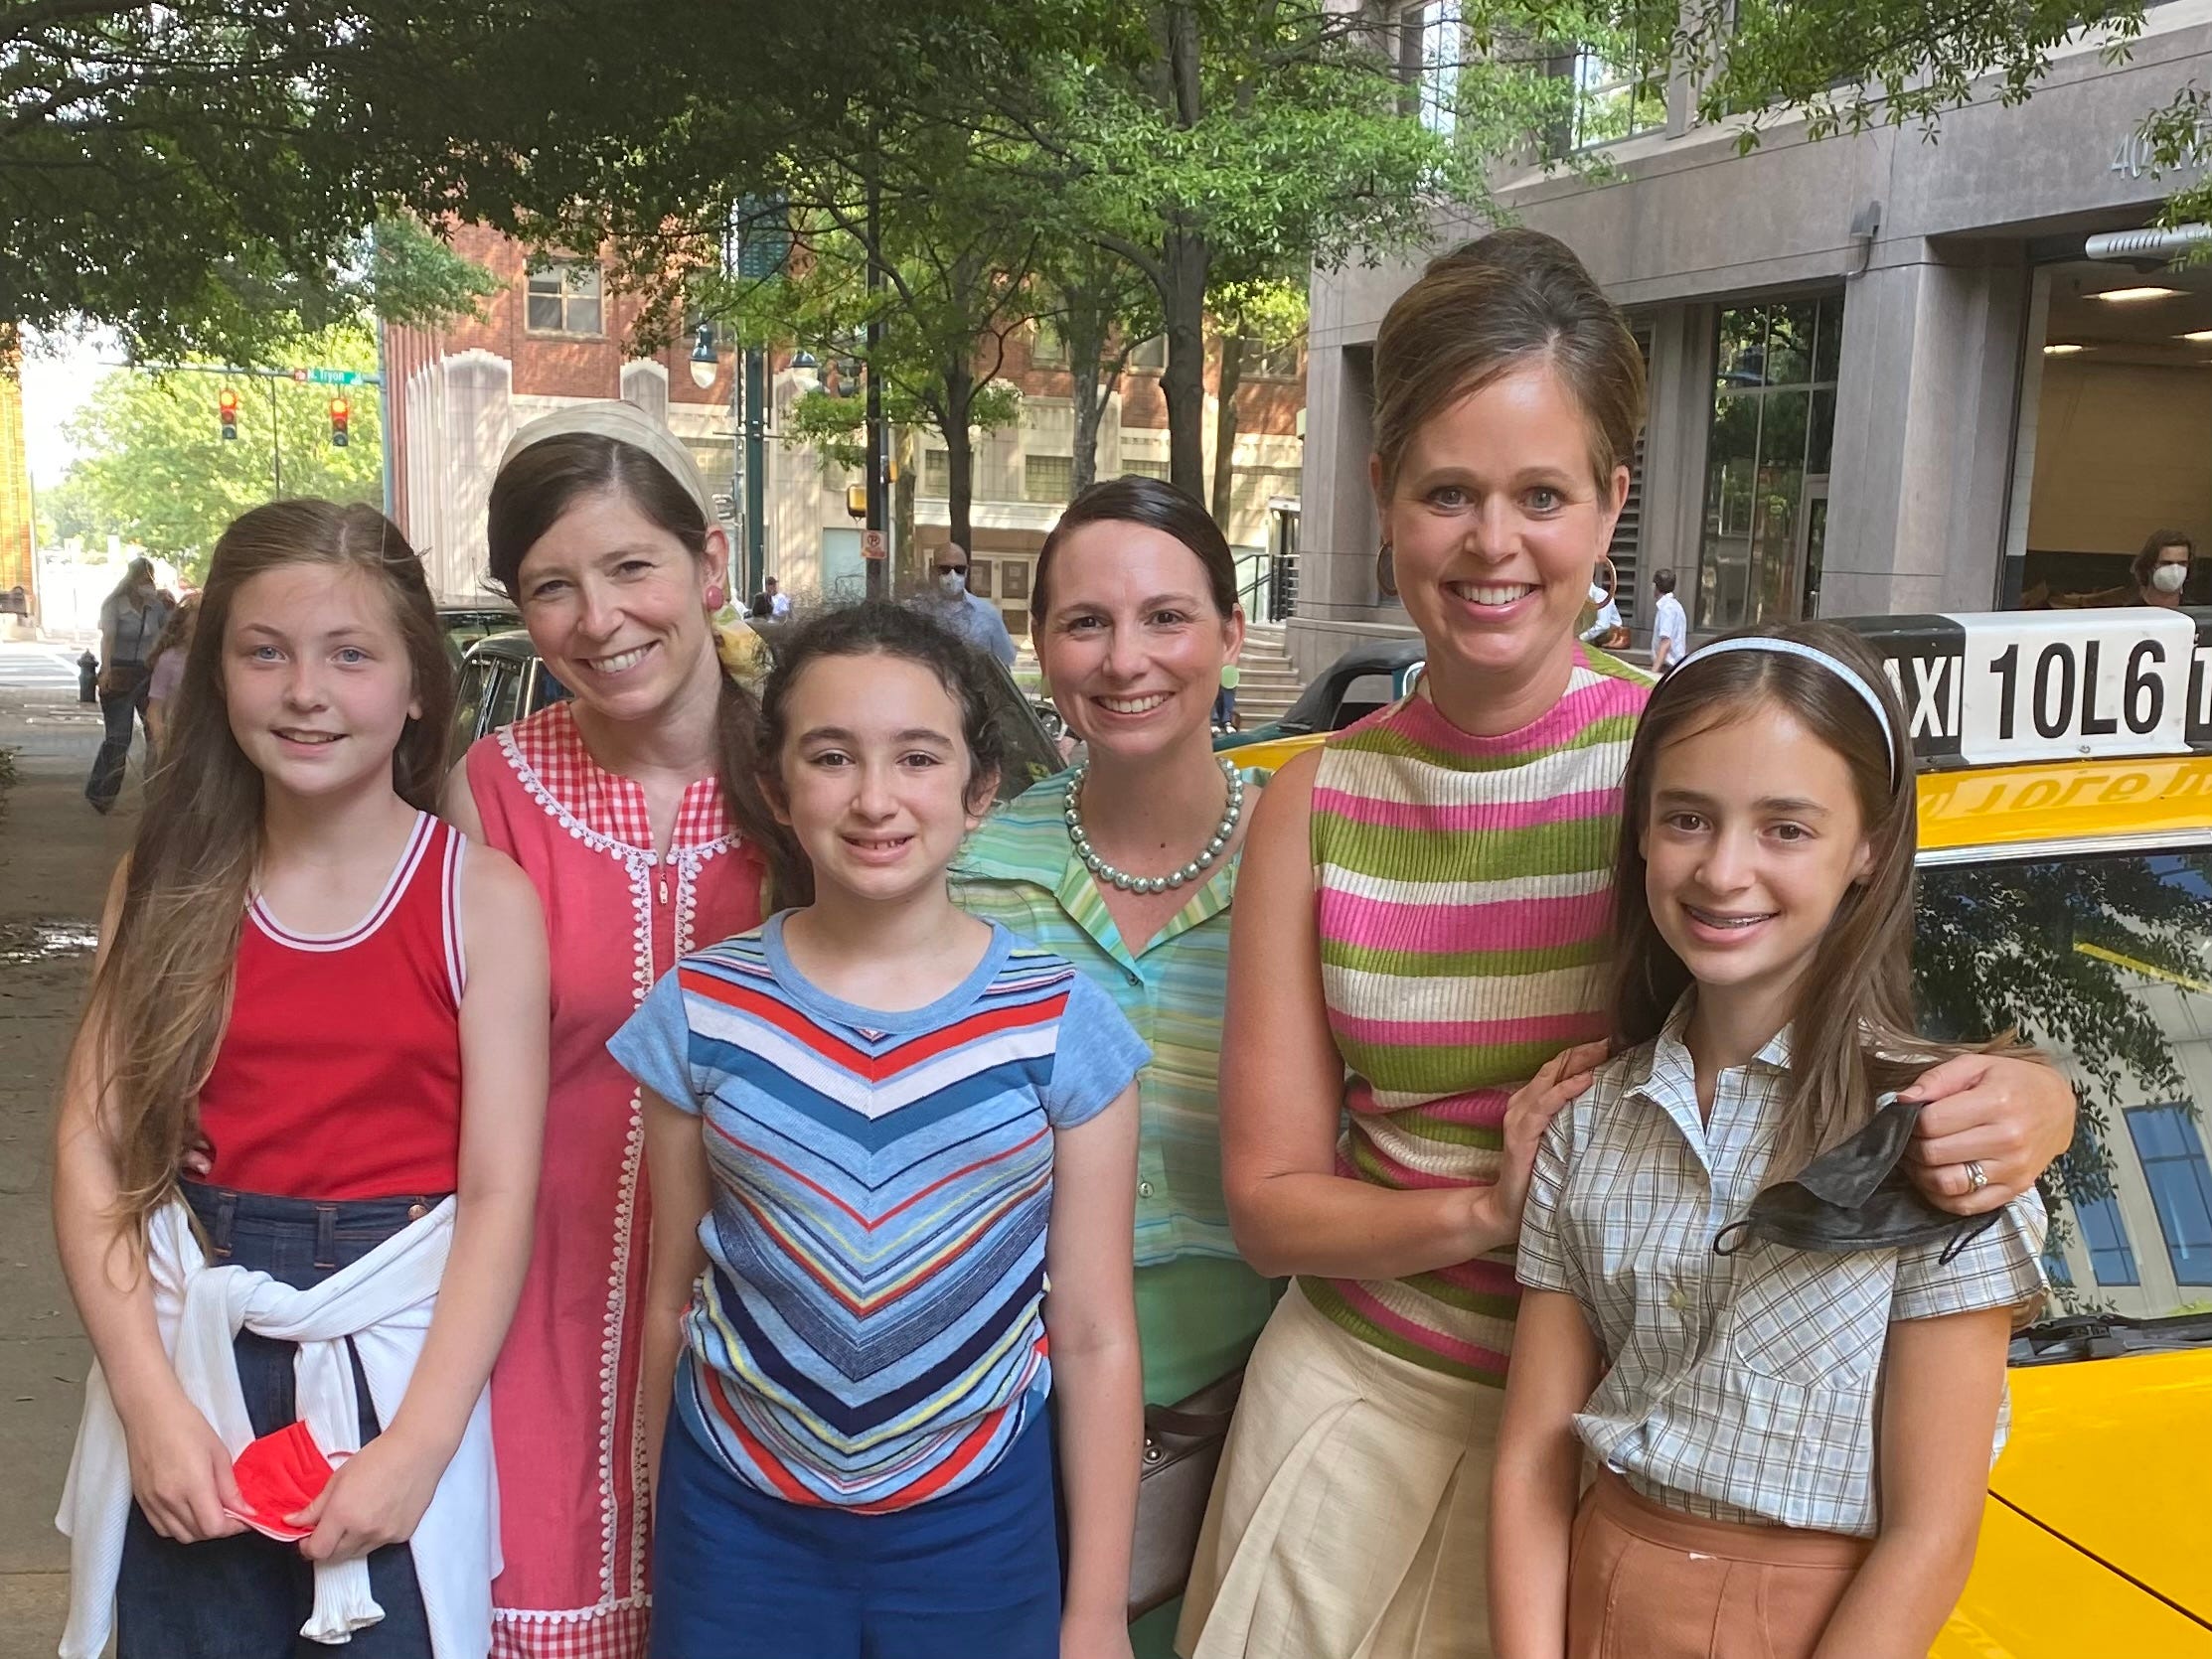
(1740, 1388)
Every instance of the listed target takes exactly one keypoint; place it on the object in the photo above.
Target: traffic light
(856, 500)
(340, 414)
(227, 410)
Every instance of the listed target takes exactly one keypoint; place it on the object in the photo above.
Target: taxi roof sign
(2011, 687)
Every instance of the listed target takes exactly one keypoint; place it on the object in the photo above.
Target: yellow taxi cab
(2065, 889)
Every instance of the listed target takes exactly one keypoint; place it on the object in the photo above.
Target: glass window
(2105, 961)
(1013, 576)
(1150, 356)
(564, 299)
(936, 473)
(1140, 466)
(1271, 363)
(2172, 1154)
(1048, 478)
(2055, 1268)
(1615, 100)
(982, 573)
(1773, 430)
(2111, 1256)
(1049, 348)
(1430, 55)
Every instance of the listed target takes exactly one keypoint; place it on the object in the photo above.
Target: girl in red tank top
(316, 997)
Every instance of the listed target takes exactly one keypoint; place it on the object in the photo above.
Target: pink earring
(714, 597)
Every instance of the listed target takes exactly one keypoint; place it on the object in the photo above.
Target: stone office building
(1885, 374)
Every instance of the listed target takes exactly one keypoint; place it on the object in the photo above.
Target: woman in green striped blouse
(1126, 866)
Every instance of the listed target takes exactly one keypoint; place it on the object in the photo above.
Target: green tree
(1849, 65)
(157, 471)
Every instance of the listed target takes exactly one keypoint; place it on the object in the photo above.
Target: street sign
(873, 545)
(328, 377)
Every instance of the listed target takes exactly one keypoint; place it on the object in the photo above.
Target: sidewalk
(55, 856)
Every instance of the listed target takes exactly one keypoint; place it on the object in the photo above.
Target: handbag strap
(1202, 1414)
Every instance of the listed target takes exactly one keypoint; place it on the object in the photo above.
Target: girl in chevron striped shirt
(892, 1155)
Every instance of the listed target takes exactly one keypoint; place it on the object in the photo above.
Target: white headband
(1835, 666)
(625, 423)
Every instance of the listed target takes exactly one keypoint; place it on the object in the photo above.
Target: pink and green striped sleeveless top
(1463, 888)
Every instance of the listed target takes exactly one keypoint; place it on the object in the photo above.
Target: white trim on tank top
(411, 856)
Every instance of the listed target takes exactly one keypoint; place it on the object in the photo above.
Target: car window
(503, 694)
(468, 703)
(545, 688)
(1032, 754)
(2105, 961)
(1362, 697)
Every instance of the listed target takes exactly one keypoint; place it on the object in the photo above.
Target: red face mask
(280, 1475)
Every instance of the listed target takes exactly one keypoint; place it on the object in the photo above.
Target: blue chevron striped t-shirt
(868, 1333)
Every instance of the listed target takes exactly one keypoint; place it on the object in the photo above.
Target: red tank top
(338, 1075)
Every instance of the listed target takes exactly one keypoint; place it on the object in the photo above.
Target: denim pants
(118, 708)
(247, 1596)
(740, 1575)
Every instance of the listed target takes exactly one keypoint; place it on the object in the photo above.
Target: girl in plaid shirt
(1792, 1442)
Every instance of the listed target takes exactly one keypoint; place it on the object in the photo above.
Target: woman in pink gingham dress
(618, 806)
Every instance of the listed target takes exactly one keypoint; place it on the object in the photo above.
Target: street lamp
(705, 364)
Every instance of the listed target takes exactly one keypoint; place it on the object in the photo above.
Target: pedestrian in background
(2160, 571)
(1791, 1411)
(635, 810)
(319, 992)
(165, 673)
(1669, 625)
(893, 1163)
(971, 618)
(1605, 629)
(131, 619)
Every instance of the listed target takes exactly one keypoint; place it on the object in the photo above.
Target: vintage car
(1370, 675)
(2065, 889)
(503, 678)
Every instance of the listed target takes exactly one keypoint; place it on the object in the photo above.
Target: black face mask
(1854, 1196)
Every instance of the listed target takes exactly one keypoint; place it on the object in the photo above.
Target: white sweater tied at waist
(383, 1305)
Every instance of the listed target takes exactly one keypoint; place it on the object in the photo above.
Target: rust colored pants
(1646, 1583)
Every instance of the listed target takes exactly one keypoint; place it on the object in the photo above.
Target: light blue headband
(1790, 648)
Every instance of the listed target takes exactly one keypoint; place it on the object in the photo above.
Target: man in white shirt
(1669, 625)
(779, 602)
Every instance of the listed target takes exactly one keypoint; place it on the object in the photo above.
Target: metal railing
(1270, 594)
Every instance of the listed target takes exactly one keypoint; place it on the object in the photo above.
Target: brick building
(557, 335)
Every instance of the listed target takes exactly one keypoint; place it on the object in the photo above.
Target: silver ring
(1976, 1176)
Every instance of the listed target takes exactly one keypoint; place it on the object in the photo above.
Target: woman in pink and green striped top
(1421, 927)
(1460, 903)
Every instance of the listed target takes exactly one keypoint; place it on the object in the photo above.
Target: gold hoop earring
(1387, 570)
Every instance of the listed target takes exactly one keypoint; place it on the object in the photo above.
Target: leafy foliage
(1999, 948)
(1849, 65)
(203, 174)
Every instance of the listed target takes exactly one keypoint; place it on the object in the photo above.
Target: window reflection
(1767, 460)
(2104, 961)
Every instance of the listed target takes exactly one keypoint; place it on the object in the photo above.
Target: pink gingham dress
(568, 1424)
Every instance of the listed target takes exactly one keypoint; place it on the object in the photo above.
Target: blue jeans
(740, 1575)
(117, 708)
(246, 1597)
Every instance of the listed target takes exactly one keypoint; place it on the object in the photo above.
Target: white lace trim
(570, 1615)
(598, 841)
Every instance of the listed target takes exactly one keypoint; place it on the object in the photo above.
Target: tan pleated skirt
(1349, 1519)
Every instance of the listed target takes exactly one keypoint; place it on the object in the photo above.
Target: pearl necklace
(1190, 872)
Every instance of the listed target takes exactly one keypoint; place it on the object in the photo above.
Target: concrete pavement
(55, 856)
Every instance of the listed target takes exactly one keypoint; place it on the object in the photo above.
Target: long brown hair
(1853, 1034)
(162, 993)
(1511, 298)
(529, 496)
